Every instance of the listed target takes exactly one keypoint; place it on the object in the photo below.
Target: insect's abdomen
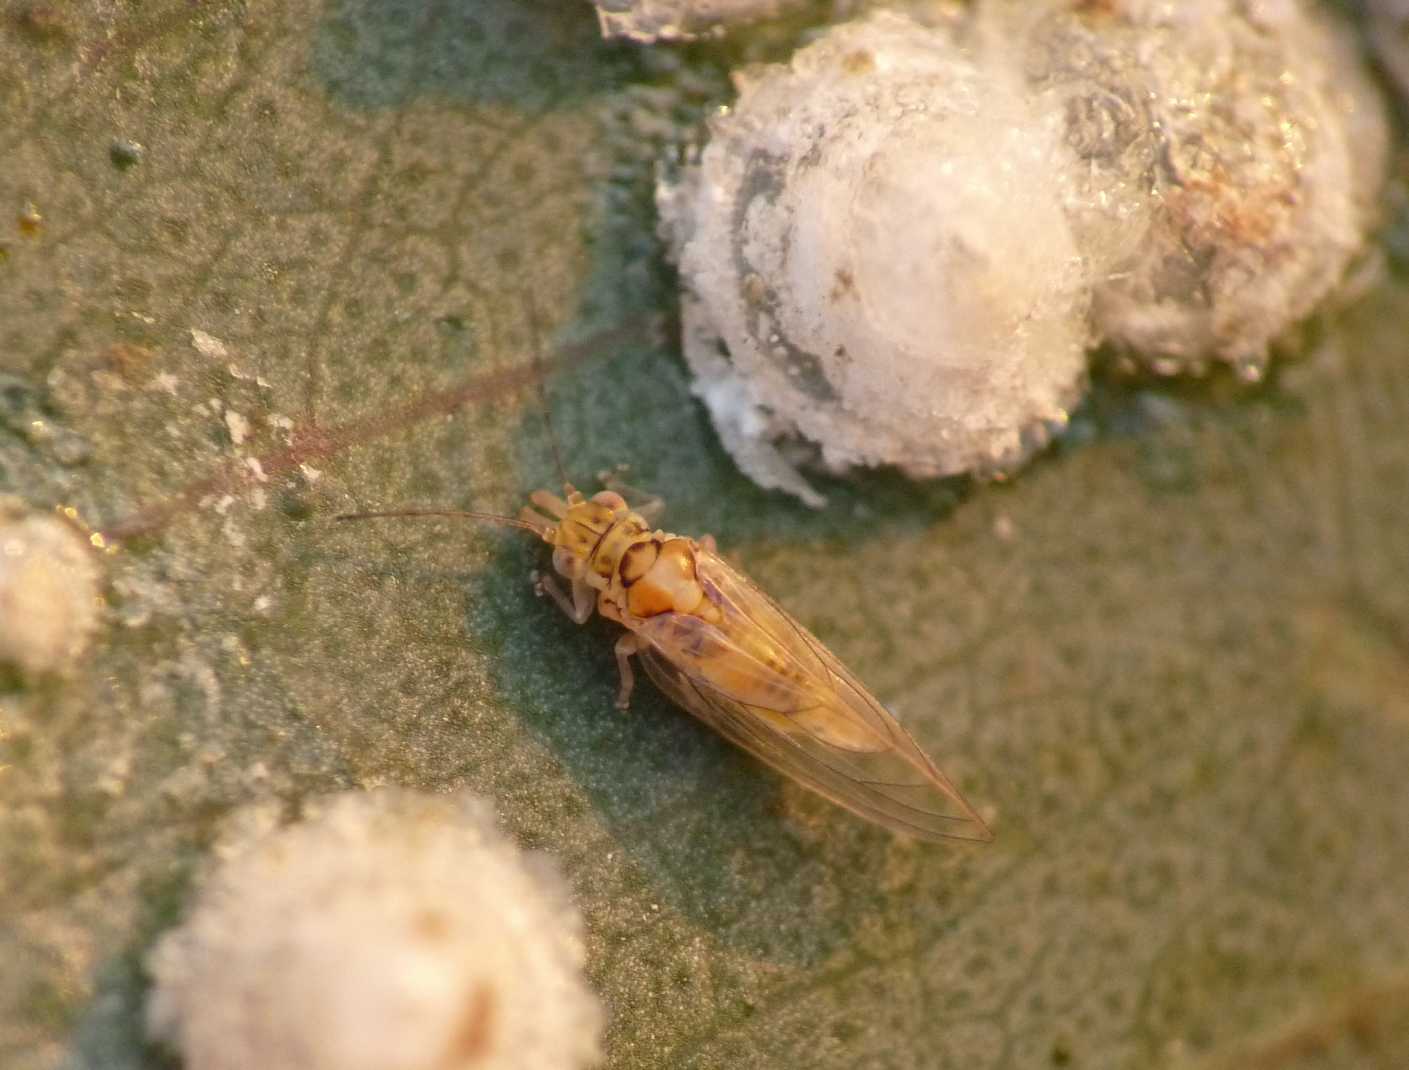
(658, 576)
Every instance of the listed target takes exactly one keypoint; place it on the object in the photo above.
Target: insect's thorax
(615, 544)
(658, 573)
(638, 572)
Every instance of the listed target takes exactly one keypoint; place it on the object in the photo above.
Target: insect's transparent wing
(724, 658)
(877, 785)
(817, 723)
(740, 598)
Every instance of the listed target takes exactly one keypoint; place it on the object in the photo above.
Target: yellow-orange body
(638, 575)
(718, 646)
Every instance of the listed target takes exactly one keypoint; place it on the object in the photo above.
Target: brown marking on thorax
(636, 572)
(590, 540)
(637, 560)
(605, 561)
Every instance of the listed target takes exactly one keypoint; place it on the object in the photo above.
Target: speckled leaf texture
(263, 263)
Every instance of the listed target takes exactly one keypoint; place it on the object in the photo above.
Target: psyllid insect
(721, 648)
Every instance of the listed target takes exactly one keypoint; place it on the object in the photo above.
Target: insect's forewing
(813, 722)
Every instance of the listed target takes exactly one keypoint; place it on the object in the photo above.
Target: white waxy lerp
(1234, 151)
(873, 265)
(388, 931)
(49, 602)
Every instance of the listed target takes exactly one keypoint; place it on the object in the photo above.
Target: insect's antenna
(536, 330)
(543, 531)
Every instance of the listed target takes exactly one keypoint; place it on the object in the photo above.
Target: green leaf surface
(1170, 660)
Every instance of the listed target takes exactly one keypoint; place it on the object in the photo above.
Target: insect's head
(581, 524)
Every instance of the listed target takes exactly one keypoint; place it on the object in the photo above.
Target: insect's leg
(549, 503)
(707, 541)
(538, 520)
(629, 643)
(650, 507)
(579, 607)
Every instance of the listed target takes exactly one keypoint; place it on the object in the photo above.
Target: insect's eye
(610, 498)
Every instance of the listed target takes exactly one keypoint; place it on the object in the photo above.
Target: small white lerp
(390, 930)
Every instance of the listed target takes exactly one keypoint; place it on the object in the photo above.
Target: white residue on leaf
(233, 535)
(237, 425)
(236, 372)
(207, 345)
(680, 20)
(386, 931)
